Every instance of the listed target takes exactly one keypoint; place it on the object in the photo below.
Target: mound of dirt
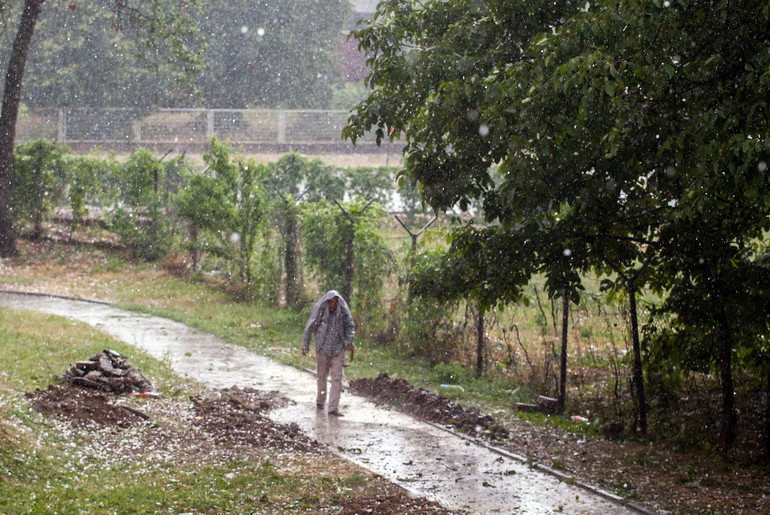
(235, 417)
(88, 390)
(427, 406)
(387, 505)
(83, 406)
(93, 393)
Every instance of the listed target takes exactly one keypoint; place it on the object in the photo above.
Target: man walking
(333, 328)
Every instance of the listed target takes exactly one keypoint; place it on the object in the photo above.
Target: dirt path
(439, 465)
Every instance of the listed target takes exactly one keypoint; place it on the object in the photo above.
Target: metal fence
(252, 129)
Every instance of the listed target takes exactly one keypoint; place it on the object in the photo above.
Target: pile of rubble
(88, 389)
(92, 393)
(109, 372)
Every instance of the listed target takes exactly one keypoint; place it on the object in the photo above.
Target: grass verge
(48, 466)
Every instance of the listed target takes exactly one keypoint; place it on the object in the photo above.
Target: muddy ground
(220, 425)
(662, 479)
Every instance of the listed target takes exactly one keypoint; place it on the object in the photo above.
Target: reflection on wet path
(425, 459)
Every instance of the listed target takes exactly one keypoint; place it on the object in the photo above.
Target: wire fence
(123, 128)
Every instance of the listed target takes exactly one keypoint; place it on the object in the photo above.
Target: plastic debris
(452, 387)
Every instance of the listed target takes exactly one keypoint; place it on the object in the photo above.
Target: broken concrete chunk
(105, 364)
(86, 365)
(109, 372)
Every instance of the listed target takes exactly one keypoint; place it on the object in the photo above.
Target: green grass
(21, 281)
(36, 348)
(111, 264)
(52, 484)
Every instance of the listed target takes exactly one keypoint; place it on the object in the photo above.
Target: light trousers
(327, 366)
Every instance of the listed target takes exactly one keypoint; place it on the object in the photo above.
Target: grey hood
(316, 324)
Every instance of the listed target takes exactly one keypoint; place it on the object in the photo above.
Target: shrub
(428, 330)
(140, 218)
(38, 181)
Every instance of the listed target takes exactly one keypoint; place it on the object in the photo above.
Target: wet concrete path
(425, 459)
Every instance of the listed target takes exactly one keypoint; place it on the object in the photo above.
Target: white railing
(129, 127)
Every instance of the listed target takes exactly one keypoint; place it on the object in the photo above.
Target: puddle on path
(426, 460)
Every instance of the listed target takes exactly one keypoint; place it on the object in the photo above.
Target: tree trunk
(291, 259)
(37, 232)
(767, 414)
(347, 288)
(638, 373)
(8, 117)
(480, 342)
(564, 337)
(410, 276)
(194, 246)
(347, 292)
(729, 415)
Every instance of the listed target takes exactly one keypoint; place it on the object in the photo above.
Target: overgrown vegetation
(615, 139)
(276, 235)
(663, 470)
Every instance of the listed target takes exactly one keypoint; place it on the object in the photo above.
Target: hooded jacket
(318, 323)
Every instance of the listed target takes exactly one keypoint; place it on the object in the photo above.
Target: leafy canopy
(626, 135)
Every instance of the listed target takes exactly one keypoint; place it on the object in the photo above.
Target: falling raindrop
(235, 237)
(483, 130)
(567, 252)
(762, 166)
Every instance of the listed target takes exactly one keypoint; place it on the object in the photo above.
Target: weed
(451, 373)
(558, 465)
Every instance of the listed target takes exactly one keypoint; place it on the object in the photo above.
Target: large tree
(62, 70)
(634, 133)
(163, 26)
(271, 53)
(8, 117)
(266, 54)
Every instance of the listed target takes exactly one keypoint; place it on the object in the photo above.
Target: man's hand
(304, 352)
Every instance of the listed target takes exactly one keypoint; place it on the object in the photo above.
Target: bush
(326, 231)
(140, 218)
(89, 180)
(38, 181)
(451, 373)
(147, 235)
(428, 330)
